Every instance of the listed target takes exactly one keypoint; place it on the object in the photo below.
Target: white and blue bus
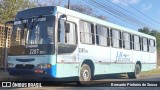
(57, 42)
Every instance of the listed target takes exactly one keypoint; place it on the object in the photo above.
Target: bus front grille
(24, 66)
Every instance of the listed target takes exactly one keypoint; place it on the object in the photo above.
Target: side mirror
(67, 30)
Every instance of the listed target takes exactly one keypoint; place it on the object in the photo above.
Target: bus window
(71, 36)
(102, 37)
(151, 46)
(145, 44)
(136, 42)
(67, 38)
(127, 40)
(86, 32)
(116, 38)
(61, 31)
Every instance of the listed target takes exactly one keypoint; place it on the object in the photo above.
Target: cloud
(146, 7)
(124, 2)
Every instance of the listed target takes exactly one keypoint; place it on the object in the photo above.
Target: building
(3, 41)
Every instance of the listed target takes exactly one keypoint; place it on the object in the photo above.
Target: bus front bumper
(31, 72)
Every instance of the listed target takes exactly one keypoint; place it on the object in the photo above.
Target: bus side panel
(153, 60)
(128, 64)
(137, 56)
(121, 61)
(67, 65)
(116, 60)
(99, 55)
(145, 61)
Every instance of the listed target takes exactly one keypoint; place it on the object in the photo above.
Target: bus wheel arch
(90, 64)
(86, 70)
(137, 71)
(139, 63)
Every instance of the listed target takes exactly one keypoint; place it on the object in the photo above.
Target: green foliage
(9, 8)
(85, 10)
(154, 33)
(154, 71)
(145, 30)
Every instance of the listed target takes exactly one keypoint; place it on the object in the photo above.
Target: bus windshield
(37, 31)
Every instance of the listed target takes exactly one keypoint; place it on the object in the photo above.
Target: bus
(55, 42)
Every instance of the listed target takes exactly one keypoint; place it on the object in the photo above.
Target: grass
(154, 71)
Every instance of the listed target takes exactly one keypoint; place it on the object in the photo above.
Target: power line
(131, 13)
(140, 12)
(117, 13)
(109, 12)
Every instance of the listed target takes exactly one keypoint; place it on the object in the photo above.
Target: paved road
(99, 85)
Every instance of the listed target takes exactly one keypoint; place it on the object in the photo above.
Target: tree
(76, 7)
(85, 10)
(145, 30)
(157, 35)
(9, 8)
(41, 3)
(154, 33)
(81, 8)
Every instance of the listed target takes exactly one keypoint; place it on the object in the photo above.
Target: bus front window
(40, 32)
(32, 31)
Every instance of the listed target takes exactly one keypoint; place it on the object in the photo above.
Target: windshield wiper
(29, 27)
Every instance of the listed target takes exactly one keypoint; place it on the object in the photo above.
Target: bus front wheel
(85, 75)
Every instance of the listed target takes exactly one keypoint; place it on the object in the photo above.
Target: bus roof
(99, 21)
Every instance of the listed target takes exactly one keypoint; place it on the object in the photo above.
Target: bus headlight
(10, 65)
(44, 66)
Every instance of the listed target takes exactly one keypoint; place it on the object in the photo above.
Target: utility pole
(6, 47)
(68, 4)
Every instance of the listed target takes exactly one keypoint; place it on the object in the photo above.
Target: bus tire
(136, 72)
(85, 75)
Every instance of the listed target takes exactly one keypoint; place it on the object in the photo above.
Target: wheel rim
(85, 75)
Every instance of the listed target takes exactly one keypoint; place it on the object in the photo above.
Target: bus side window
(126, 40)
(67, 37)
(116, 38)
(70, 37)
(87, 32)
(145, 44)
(136, 44)
(61, 31)
(102, 37)
(151, 46)
(67, 32)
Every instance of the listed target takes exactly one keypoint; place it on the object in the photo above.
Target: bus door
(67, 57)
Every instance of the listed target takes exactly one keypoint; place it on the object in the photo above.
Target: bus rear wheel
(85, 75)
(136, 72)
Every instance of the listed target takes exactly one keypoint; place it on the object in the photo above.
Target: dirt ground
(5, 76)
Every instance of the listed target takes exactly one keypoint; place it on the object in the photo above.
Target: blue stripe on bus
(54, 70)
